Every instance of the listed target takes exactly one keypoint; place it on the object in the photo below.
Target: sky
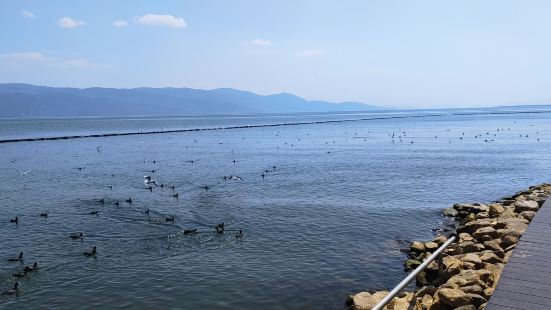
(426, 54)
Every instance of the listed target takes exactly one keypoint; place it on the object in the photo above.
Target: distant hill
(24, 100)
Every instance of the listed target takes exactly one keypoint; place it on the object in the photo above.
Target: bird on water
(12, 291)
(18, 258)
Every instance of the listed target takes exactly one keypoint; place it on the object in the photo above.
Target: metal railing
(413, 274)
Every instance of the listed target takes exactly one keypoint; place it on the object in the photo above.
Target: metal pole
(412, 275)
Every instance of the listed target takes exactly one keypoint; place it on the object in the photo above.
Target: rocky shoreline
(472, 265)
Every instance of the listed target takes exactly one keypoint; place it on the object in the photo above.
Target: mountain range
(24, 100)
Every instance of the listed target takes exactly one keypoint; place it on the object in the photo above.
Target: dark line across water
(257, 126)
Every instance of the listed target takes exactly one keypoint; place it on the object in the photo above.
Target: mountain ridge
(19, 100)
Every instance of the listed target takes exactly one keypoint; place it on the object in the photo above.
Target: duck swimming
(78, 236)
(148, 180)
(22, 273)
(240, 234)
(44, 214)
(91, 253)
(146, 211)
(13, 291)
(15, 220)
(96, 213)
(129, 200)
(190, 231)
(16, 259)
(33, 268)
(170, 219)
(220, 228)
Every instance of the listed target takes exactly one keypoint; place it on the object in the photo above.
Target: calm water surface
(326, 222)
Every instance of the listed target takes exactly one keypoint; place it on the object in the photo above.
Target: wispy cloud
(259, 42)
(27, 59)
(25, 56)
(68, 22)
(120, 23)
(27, 14)
(161, 20)
(311, 52)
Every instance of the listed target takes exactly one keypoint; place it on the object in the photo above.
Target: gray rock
(485, 231)
(527, 215)
(474, 225)
(508, 240)
(477, 300)
(526, 205)
(450, 212)
(454, 298)
(493, 245)
(431, 246)
(495, 209)
(417, 247)
(440, 240)
(490, 258)
(411, 263)
(472, 289)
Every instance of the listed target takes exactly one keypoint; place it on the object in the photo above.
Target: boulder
(508, 213)
(401, 303)
(454, 298)
(495, 209)
(527, 215)
(465, 237)
(450, 212)
(508, 232)
(474, 225)
(440, 240)
(483, 231)
(466, 278)
(473, 259)
(496, 270)
(477, 300)
(472, 289)
(470, 208)
(426, 302)
(417, 247)
(487, 277)
(465, 247)
(526, 205)
(493, 245)
(452, 266)
(365, 301)
(517, 224)
(431, 246)
(507, 256)
(488, 292)
(482, 215)
(411, 263)
(490, 258)
(485, 238)
(508, 240)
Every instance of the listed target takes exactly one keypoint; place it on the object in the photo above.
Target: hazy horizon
(391, 54)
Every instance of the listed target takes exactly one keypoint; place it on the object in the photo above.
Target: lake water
(325, 222)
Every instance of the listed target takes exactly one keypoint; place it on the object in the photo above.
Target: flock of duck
(150, 183)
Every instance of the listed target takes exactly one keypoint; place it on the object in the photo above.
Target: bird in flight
(24, 173)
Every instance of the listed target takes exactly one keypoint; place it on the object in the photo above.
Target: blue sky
(390, 53)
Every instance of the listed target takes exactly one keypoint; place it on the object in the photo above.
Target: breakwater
(472, 267)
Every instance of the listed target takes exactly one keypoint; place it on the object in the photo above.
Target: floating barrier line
(257, 126)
